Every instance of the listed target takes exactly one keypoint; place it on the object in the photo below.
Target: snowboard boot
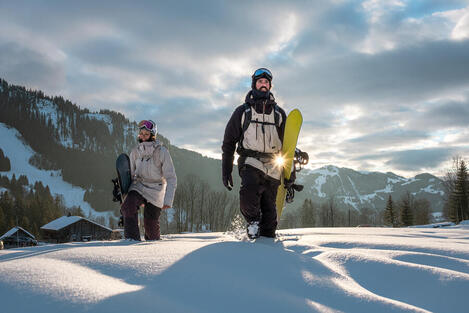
(253, 230)
(267, 233)
(131, 230)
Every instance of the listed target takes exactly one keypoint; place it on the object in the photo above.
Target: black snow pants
(257, 197)
(151, 215)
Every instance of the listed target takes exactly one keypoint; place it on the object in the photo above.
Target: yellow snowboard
(290, 138)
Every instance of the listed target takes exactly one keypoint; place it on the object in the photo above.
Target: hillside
(83, 145)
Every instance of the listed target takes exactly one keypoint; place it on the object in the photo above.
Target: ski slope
(304, 270)
(19, 154)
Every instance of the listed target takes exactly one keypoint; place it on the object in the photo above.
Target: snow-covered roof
(14, 230)
(64, 221)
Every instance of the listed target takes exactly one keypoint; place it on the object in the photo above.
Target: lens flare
(279, 161)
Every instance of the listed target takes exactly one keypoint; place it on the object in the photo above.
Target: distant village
(61, 230)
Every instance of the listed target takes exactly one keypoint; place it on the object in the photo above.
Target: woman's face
(144, 134)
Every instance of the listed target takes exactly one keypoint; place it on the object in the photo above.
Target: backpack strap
(245, 120)
(278, 118)
(246, 117)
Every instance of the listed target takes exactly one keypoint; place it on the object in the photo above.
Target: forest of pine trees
(405, 212)
(5, 165)
(28, 206)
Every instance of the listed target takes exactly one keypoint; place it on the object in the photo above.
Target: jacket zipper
(257, 124)
(263, 121)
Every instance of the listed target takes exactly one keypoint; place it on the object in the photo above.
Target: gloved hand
(228, 181)
(287, 183)
(227, 168)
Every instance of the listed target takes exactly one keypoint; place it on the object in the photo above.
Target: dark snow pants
(257, 197)
(151, 215)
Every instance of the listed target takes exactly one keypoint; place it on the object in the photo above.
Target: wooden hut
(18, 237)
(74, 228)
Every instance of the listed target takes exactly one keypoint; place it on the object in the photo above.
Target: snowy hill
(19, 154)
(355, 190)
(304, 270)
(83, 145)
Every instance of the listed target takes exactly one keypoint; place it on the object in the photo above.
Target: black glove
(121, 221)
(228, 181)
(227, 168)
(287, 183)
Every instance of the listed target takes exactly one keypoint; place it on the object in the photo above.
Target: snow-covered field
(19, 154)
(304, 270)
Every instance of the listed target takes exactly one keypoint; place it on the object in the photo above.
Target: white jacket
(153, 174)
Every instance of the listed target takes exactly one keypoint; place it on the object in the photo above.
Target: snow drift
(304, 270)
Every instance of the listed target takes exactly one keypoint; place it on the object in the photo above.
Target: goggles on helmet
(147, 124)
(262, 72)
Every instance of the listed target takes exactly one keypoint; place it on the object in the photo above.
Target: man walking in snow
(257, 128)
(153, 184)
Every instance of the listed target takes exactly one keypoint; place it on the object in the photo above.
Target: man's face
(263, 84)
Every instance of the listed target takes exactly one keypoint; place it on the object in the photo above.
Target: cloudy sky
(382, 85)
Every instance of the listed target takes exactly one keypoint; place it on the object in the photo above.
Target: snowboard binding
(117, 197)
(300, 159)
(116, 191)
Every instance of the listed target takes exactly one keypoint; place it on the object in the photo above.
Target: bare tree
(331, 209)
(421, 209)
(203, 192)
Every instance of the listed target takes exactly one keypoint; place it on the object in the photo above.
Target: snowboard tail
(123, 173)
(290, 139)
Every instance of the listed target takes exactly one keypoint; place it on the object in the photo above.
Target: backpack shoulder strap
(278, 117)
(246, 116)
(245, 121)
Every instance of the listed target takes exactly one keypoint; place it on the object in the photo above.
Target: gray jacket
(153, 173)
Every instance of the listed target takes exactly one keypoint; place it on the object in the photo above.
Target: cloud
(29, 67)
(416, 160)
(370, 77)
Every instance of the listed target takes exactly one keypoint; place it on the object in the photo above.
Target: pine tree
(307, 214)
(459, 198)
(390, 216)
(407, 218)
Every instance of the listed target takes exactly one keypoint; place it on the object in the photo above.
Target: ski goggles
(146, 124)
(262, 72)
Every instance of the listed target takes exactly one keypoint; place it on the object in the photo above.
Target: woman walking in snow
(153, 184)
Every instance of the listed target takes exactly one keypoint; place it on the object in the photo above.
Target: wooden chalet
(74, 228)
(18, 237)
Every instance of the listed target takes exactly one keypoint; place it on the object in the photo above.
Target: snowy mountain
(355, 190)
(80, 146)
(303, 270)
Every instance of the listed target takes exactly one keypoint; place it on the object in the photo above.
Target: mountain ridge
(78, 142)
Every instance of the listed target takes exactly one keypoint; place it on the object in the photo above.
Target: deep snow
(304, 270)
